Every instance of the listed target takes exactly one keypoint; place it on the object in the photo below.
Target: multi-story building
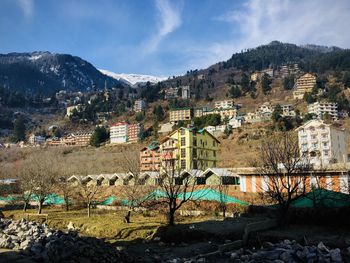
(171, 93)
(189, 148)
(150, 158)
(119, 133)
(265, 110)
(228, 112)
(224, 104)
(289, 69)
(304, 84)
(322, 109)
(183, 114)
(287, 110)
(134, 132)
(77, 139)
(36, 139)
(325, 143)
(139, 105)
(185, 92)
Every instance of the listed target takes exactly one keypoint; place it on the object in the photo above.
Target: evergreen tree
(235, 92)
(265, 84)
(159, 112)
(19, 130)
(277, 113)
(288, 82)
(245, 83)
(99, 136)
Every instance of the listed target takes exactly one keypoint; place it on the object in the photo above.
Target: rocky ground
(40, 243)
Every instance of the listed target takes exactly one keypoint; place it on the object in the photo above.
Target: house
(304, 84)
(322, 142)
(80, 139)
(287, 110)
(322, 109)
(166, 128)
(223, 112)
(220, 176)
(235, 122)
(171, 93)
(119, 133)
(150, 157)
(224, 104)
(217, 130)
(189, 148)
(181, 114)
(139, 105)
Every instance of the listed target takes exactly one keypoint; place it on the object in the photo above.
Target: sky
(167, 37)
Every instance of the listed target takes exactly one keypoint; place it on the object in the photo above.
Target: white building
(265, 108)
(216, 130)
(324, 142)
(119, 133)
(288, 110)
(320, 109)
(166, 128)
(224, 104)
(70, 109)
(235, 123)
(185, 92)
(36, 139)
(139, 105)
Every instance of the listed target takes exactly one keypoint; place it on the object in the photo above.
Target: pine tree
(19, 130)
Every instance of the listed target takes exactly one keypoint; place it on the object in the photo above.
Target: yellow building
(189, 148)
(304, 84)
(183, 114)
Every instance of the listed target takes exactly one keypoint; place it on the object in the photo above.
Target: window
(183, 153)
(194, 153)
(213, 143)
(325, 144)
(194, 142)
(182, 132)
(183, 141)
(183, 164)
(195, 166)
(214, 153)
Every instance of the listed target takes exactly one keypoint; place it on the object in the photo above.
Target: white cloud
(170, 19)
(27, 7)
(258, 22)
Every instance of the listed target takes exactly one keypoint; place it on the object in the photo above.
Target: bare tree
(63, 185)
(136, 194)
(88, 192)
(223, 194)
(178, 188)
(282, 170)
(26, 186)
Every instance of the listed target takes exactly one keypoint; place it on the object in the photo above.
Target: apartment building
(139, 105)
(119, 133)
(224, 104)
(323, 142)
(304, 84)
(80, 139)
(188, 148)
(36, 139)
(134, 131)
(322, 109)
(183, 114)
(150, 158)
(185, 92)
(228, 112)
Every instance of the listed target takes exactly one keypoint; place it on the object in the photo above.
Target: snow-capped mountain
(133, 79)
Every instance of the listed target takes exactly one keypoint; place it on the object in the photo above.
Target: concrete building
(235, 122)
(322, 142)
(322, 109)
(80, 139)
(224, 104)
(36, 139)
(150, 158)
(183, 114)
(119, 133)
(188, 148)
(166, 128)
(217, 130)
(134, 132)
(139, 105)
(228, 112)
(185, 92)
(287, 110)
(171, 93)
(304, 84)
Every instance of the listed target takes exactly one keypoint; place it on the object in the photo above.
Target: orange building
(134, 131)
(150, 158)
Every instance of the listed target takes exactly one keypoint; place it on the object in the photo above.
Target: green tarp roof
(322, 198)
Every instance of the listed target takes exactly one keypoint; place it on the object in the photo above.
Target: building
(266, 107)
(36, 139)
(288, 110)
(119, 133)
(150, 158)
(134, 132)
(236, 122)
(228, 112)
(255, 76)
(183, 114)
(171, 93)
(218, 130)
(304, 84)
(189, 148)
(139, 105)
(322, 142)
(70, 109)
(224, 104)
(289, 69)
(269, 71)
(166, 128)
(322, 109)
(185, 92)
(77, 139)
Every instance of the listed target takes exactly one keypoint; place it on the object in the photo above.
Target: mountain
(47, 72)
(133, 79)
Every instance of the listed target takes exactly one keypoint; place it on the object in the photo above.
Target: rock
(201, 260)
(234, 255)
(285, 256)
(335, 255)
(70, 226)
(156, 239)
(322, 247)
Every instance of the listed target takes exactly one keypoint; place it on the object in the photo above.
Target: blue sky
(163, 37)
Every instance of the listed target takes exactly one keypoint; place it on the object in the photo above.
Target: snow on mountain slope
(132, 79)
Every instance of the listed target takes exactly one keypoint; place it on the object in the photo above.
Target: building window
(183, 164)
(194, 153)
(214, 153)
(325, 153)
(195, 166)
(183, 141)
(213, 143)
(183, 153)
(194, 142)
